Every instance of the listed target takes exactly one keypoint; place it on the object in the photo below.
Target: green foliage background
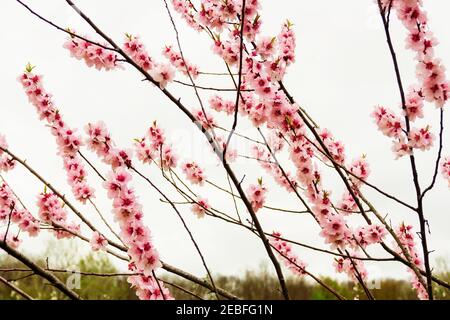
(258, 284)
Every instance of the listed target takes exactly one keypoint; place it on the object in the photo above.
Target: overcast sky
(343, 69)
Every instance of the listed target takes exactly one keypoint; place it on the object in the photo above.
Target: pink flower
(119, 158)
(206, 120)
(177, 61)
(275, 141)
(134, 48)
(199, 208)
(435, 87)
(228, 50)
(370, 234)
(345, 265)
(406, 236)
(116, 181)
(11, 213)
(265, 46)
(148, 289)
(148, 148)
(284, 250)
(256, 194)
(98, 242)
(68, 141)
(420, 39)
(217, 103)
(388, 123)
(92, 54)
(257, 112)
(52, 212)
(193, 172)
(347, 204)
(163, 74)
(168, 158)
(445, 169)
(335, 231)
(6, 162)
(185, 8)
(11, 240)
(287, 43)
(401, 148)
(421, 138)
(99, 139)
(127, 209)
(414, 104)
(252, 26)
(335, 148)
(360, 168)
(231, 153)
(144, 151)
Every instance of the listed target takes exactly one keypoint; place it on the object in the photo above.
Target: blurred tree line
(258, 284)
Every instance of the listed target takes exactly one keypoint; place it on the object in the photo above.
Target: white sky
(343, 69)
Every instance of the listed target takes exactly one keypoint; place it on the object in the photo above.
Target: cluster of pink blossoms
(67, 139)
(256, 194)
(392, 126)
(354, 268)
(269, 165)
(93, 55)
(406, 236)
(430, 71)
(445, 169)
(127, 212)
(193, 172)
(6, 162)
(335, 147)
(433, 86)
(215, 14)
(205, 119)
(187, 12)
(360, 171)
(147, 288)
(287, 44)
(153, 147)
(177, 61)
(53, 212)
(335, 231)
(200, 207)
(98, 241)
(102, 58)
(99, 141)
(370, 234)
(161, 72)
(265, 104)
(275, 141)
(137, 51)
(290, 259)
(11, 240)
(11, 213)
(217, 103)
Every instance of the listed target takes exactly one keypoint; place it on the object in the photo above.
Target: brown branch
(422, 221)
(439, 155)
(239, 84)
(40, 271)
(74, 35)
(16, 289)
(207, 88)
